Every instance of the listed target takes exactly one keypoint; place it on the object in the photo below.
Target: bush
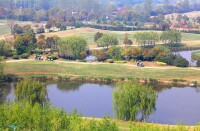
(81, 61)
(110, 60)
(25, 56)
(54, 57)
(198, 63)
(161, 63)
(121, 62)
(15, 57)
(38, 52)
(181, 62)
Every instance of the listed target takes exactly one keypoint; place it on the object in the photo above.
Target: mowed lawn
(88, 34)
(99, 70)
(4, 29)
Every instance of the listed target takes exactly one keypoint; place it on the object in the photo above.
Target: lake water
(174, 105)
(188, 56)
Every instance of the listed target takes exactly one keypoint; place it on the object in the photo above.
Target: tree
(127, 41)
(97, 36)
(146, 38)
(31, 91)
(115, 52)
(5, 48)
(172, 36)
(132, 99)
(108, 40)
(181, 62)
(41, 42)
(25, 43)
(37, 118)
(72, 46)
(2, 65)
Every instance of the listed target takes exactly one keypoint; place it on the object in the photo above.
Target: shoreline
(108, 80)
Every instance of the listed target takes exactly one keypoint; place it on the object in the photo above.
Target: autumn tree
(127, 41)
(41, 42)
(25, 43)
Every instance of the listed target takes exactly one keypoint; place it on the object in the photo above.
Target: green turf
(100, 70)
(4, 29)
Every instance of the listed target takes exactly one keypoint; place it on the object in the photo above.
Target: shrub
(181, 62)
(15, 57)
(198, 63)
(25, 56)
(54, 57)
(110, 60)
(38, 52)
(161, 63)
(121, 62)
(81, 61)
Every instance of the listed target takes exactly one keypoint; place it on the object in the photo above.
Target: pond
(188, 56)
(174, 104)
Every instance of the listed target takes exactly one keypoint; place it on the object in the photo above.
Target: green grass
(190, 37)
(114, 71)
(89, 36)
(4, 29)
(196, 54)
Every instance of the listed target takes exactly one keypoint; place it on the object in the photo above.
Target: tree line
(60, 13)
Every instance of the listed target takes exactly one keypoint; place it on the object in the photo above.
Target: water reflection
(188, 56)
(174, 104)
(5, 90)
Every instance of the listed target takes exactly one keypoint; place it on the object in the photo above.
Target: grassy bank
(139, 126)
(142, 126)
(100, 71)
(196, 55)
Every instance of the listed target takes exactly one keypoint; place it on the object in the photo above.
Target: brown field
(193, 14)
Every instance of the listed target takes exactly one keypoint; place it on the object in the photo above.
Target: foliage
(171, 36)
(132, 53)
(25, 56)
(115, 52)
(158, 52)
(110, 60)
(127, 41)
(107, 40)
(181, 62)
(25, 43)
(130, 99)
(15, 57)
(53, 56)
(169, 59)
(161, 63)
(198, 63)
(146, 38)
(2, 66)
(34, 117)
(31, 91)
(5, 48)
(97, 36)
(71, 47)
(100, 54)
